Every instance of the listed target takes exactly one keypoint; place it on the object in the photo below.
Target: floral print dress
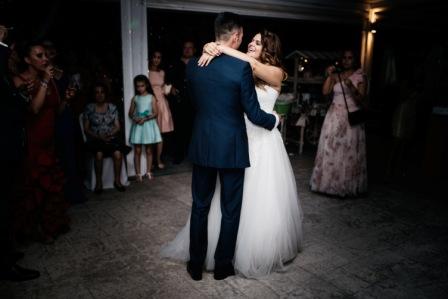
(340, 167)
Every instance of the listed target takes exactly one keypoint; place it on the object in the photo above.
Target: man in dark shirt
(12, 131)
(180, 103)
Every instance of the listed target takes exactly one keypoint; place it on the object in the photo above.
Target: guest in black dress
(67, 131)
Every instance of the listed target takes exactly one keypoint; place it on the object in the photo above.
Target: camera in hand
(337, 68)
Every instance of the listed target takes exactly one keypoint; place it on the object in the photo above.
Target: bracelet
(44, 83)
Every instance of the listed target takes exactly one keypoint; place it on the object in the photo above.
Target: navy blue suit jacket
(221, 93)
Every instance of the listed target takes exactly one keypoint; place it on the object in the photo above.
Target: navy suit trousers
(203, 188)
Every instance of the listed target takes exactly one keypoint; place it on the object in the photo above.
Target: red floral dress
(44, 205)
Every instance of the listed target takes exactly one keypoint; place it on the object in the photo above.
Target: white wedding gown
(270, 230)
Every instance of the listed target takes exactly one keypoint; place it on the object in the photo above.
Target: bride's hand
(211, 49)
(205, 59)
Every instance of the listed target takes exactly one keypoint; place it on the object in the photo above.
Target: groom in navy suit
(221, 93)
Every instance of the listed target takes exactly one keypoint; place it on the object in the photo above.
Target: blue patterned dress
(148, 132)
(102, 123)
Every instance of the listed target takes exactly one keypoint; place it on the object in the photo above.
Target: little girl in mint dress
(144, 129)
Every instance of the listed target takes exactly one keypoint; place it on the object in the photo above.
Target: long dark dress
(44, 207)
(67, 130)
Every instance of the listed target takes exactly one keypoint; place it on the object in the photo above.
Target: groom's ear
(239, 36)
(236, 37)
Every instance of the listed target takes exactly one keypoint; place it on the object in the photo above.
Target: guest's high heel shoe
(149, 176)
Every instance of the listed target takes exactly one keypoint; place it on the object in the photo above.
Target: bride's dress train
(270, 230)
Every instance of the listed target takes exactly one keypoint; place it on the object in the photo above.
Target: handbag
(357, 117)
(354, 117)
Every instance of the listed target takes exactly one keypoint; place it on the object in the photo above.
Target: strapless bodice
(267, 97)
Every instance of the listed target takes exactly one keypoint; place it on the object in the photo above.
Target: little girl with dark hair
(144, 130)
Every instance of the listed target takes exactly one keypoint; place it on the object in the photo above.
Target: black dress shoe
(119, 188)
(17, 273)
(223, 272)
(195, 273)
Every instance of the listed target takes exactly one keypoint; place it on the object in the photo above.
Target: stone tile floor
(392, 244)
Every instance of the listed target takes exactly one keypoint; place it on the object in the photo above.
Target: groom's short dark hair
(225, 23)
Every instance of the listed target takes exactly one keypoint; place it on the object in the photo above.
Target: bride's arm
(272, 75)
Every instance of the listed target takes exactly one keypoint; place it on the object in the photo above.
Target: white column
(134, 38)
(368, 38)
(367, 51)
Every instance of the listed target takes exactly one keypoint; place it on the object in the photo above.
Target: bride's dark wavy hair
(270, 53)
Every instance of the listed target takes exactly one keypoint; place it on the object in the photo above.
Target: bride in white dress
(270, 230)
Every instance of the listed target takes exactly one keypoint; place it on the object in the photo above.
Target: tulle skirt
(270, 230)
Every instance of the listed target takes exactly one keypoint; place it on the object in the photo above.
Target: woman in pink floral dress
(164, 118)
(340, 168)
